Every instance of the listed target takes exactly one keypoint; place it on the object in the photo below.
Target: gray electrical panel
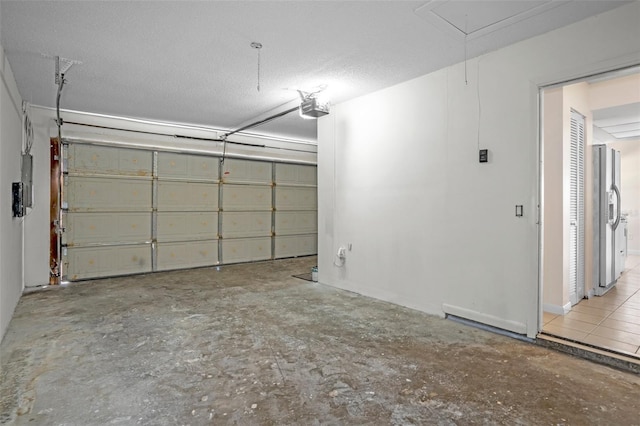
(27, 180)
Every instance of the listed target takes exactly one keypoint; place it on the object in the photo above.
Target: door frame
(55, 225)
(541, 87)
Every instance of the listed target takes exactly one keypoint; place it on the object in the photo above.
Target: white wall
(618, 91)
(37, 222)
(399, 177)
(11, 283)
(555, 294)
(36, 232)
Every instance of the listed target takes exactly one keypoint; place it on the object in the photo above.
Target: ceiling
(617, 123)
(192, 62)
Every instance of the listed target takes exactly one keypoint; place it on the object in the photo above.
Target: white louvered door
(576, 209)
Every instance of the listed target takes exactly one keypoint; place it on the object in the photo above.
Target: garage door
(296, 210)
(128, 211)
(107, 211)
(187, 210)
(247, 210)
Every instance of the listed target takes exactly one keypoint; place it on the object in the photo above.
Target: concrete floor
(249, 344)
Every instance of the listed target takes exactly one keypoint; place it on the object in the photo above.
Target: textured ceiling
(191, 62)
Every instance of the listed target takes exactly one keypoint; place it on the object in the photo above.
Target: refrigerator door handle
(618, 205)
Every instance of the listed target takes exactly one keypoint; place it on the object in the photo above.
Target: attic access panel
(474, 19)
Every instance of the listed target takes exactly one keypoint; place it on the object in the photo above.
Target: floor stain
(251, 344)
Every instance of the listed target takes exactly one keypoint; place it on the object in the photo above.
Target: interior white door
(576, 209)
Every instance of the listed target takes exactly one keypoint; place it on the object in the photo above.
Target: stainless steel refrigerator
(608, 246)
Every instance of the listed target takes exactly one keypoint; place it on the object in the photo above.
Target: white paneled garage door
(187, 211)
(246, 210)
(128, 211)
(107, 211)
(296, 210)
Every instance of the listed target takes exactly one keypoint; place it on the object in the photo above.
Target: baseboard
(556, 309)
(513, 326)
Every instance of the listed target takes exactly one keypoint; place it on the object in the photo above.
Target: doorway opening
(591, 209)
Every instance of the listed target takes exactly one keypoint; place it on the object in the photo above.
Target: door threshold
(602, 356)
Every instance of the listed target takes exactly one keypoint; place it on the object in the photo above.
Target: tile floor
(611, 321)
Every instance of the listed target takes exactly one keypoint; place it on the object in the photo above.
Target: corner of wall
(557, 309)
(11, 229)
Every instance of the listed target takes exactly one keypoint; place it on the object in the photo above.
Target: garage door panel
(187, 254)
(246, 224)
(188, 167)
(296, 245)
(187, 196)
(296, 222)
(196, 210)
(93, 159)
(245, 171)
(246, 197)
(296, 198)
(184, 226)
(246, 250)
(107, 194)
(106, 228)
(295, 174)
(94, 262)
